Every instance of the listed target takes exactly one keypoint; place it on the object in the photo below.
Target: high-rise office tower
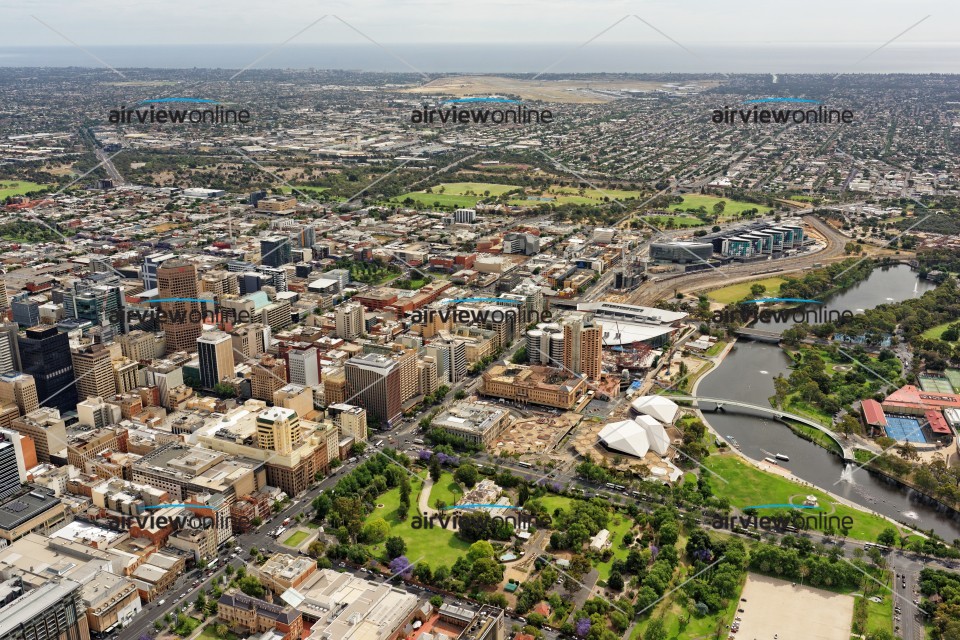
(306, 236)
(138, 345)
(45, 353)
(267, 377)
(26, 312)
(275, 251)
(276, 277)
(278, 429)
(350, 321)
(451, 357)
(99, 299)
(9, 470)
(250, 339)
(93, 370)
(24, 451)
(125, 374)
(4, 302)
(351, 420)
(216, 357)
(9, 349)
(374, 380)
(19, 389)
(177, 281)
(304, 366)
(54, 611)
(150, 265)
(583, 346)
(219, 282)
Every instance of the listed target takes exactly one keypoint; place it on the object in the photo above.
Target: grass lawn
(716, 349)
(209, 634)
(794, 405)
(296, 539)
(477, 188)
(619, 525)
(732, 206)
(736, 292)
(816, 436)
(446, 489)
(440, 199)
(434, 546)
(746, 485)
(18, 187)
(934, 333)
(552, 502)
(186, 625)
(880, 615)
(661, 222)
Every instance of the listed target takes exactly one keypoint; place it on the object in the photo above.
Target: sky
(696, 24)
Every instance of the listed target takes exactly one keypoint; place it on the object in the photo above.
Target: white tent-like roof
(627, 437)
(656, 434)
(659, 407)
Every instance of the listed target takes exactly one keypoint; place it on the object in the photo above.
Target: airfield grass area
(434, 546)
(731, 208)
(737, 292)
(793, 612)
(18, 187)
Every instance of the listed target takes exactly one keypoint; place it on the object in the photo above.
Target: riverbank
(781, 471)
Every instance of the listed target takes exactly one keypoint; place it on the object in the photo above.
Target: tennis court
(953, 375)
(935, 384)
(907, 429)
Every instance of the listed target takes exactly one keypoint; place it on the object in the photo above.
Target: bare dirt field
(793, 612)
(538, 433)
(578, 91)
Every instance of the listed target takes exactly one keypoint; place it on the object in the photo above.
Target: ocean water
(774, 58)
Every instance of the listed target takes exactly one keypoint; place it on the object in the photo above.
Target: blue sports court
(905, 429)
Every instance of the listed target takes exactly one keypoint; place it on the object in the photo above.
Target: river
(747, 374)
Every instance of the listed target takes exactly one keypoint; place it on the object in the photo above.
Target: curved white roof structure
(660, 407)
(627, 437)
(656, 434)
